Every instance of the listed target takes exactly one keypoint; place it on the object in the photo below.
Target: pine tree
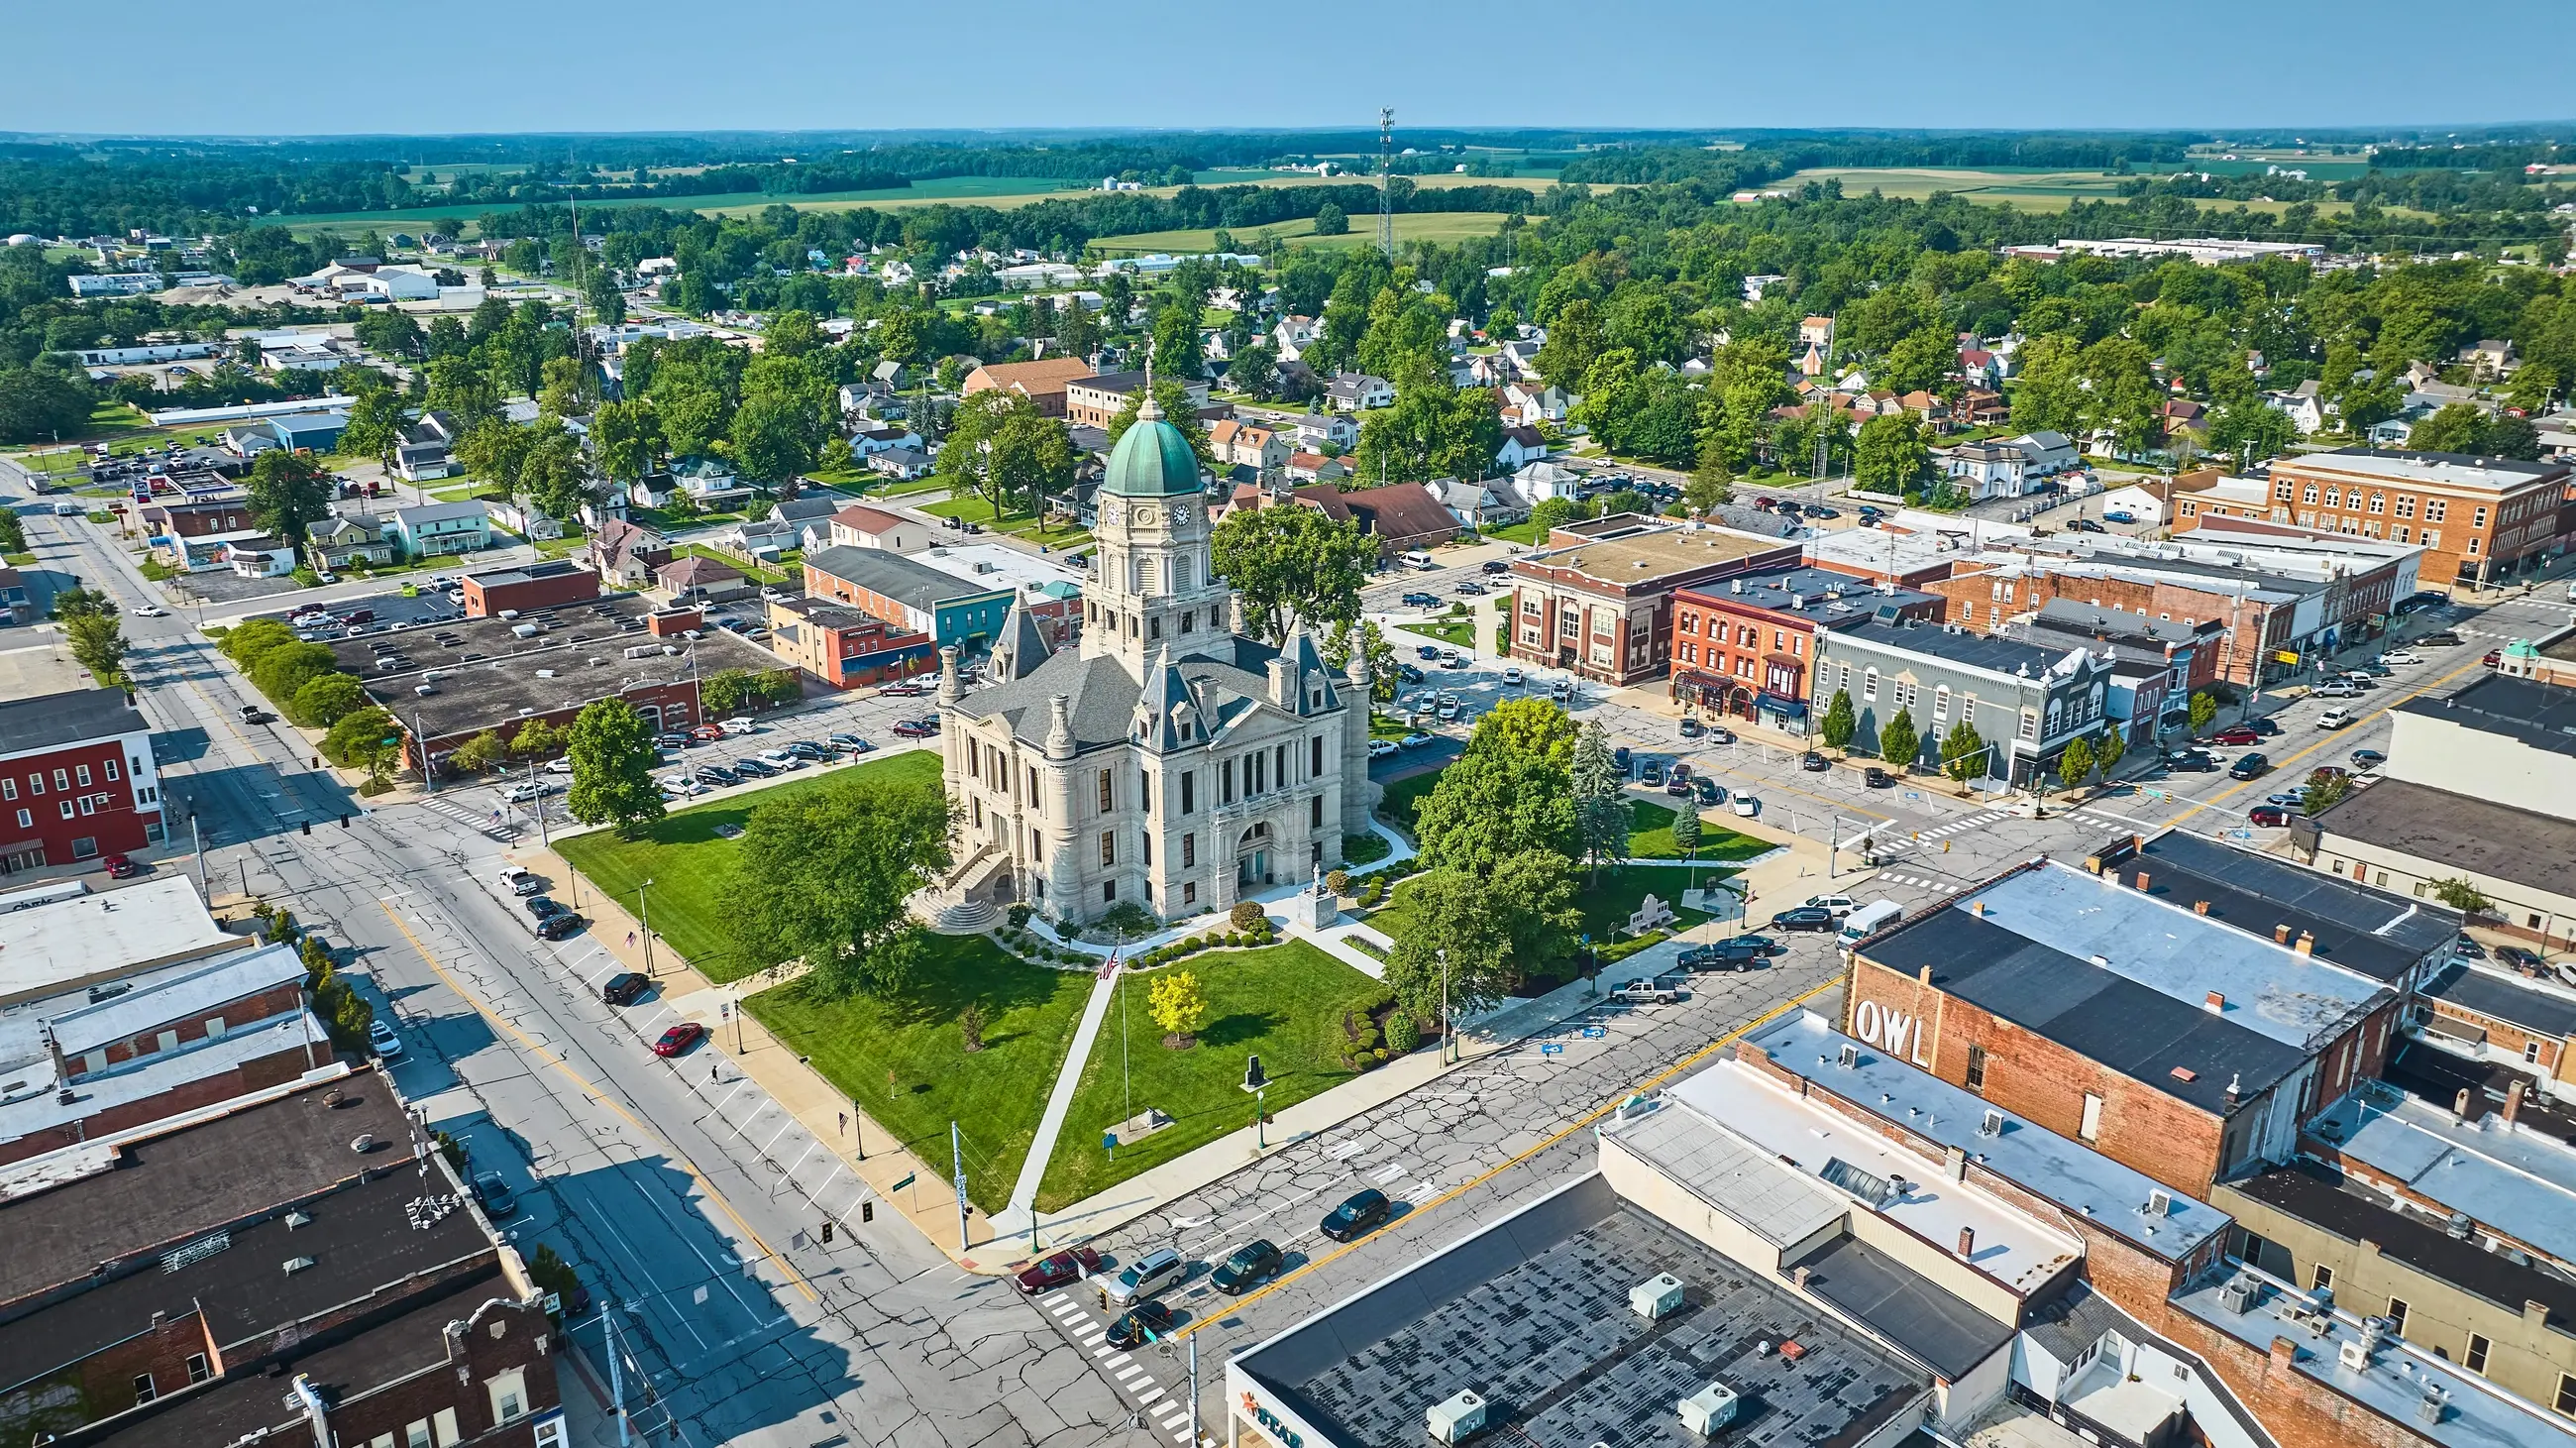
(1602, 816)
(1686, 831)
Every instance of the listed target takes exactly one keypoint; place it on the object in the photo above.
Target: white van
(1868, 920)
(1417, 559)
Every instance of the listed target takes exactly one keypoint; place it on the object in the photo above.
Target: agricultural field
(1442, 226)
(2023, 190)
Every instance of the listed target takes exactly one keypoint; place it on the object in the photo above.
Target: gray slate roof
(47, 720)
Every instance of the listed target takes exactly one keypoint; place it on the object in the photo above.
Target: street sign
(1914, 794)
(1109, 1141)
(907, 1181)
(554, 1302)
(1551, 1048)
(1595, 1033)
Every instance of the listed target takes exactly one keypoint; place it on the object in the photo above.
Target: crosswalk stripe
(1149, 1399)
(1130, 1373)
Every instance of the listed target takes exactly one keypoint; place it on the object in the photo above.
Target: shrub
(1245, 914)
(1019, 914)
(1403, 1032)
(1378, 1055)
(1338, 881)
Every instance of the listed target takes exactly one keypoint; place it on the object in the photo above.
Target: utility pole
(616, 1378)
(957, 1164)
(197, 843)
(644, 912)
(1386, 181)
(1194, 1390)
(538, 805)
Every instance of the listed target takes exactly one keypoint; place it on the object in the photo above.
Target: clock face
(1180, 515)
(1114, 513)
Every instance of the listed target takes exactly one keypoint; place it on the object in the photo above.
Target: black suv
(2250, 767)
(1355, 1217)
(624, 988)
(1252, 1264)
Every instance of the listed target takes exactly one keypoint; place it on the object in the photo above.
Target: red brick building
(1747, 647)
(77, 780)
(524, 589)
(1599, 600)
(847, 648)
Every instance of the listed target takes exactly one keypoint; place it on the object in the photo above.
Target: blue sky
(265, 67)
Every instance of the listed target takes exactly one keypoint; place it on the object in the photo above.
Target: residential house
(1098, 401)
(1981, 367)
(867, 442)
(1306, 467)
(709, 483)
(1248, 445)
(426, 448)
(810, 515)
(901, 463)
(347, 538)
(860, 526)
(695, 578)
(1293, 335)
(1401, 516)
(264, 556)
(1522, 355)
(1521, 447)
(2046, 454)
(1815, 347)
(1318, 431)
(1979, 407)
(436, 530)
(1533, 404)
(760, 540)
(2026, 700)
(2181, 414)
(1537, 482)
(2488, 357)
(2306, 409)
(1476, 505)
(1041, 382)
(626, 553)
(1985, 469)
(1358, 392)
(522, 516)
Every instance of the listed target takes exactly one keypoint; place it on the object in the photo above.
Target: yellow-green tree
(1179, 1007)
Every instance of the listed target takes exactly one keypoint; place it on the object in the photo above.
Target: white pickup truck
(1647, 992)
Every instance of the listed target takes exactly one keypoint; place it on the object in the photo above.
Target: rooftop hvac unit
(2159, 1203)
(2433, 1406)
(2354, 1355)
(294, 1265)
(1708, 1411)
(1850, 1054)
(1657, 1297)
(1992, 1125)
(2460, 1227)
(1457, 1419)
(2241, 1293)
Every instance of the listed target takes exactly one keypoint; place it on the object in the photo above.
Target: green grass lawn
(753, 571)
(904, 1061)
(973, 509)
(1386, 726)
(1650, 836)
(1525, 534)
(1442, 226)
(689, 864)
(1457, 633)
(1283, 1004)
(905, 487)
(1605, 907)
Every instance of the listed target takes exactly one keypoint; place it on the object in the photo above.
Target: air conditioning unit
(1457, 1419)
(1708, 1411)
(1850, 1054)
(2433, 1406)
(2159, 1203)
(2354, 1355)
(1992, 1125)
(1657, 1297)
(2241, 1293)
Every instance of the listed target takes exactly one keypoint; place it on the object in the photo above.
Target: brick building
(1599, 599)
(2184, 1021)
(77, 779)
(144, 1300)
(845, 647)
(2261, 619)
(528, 587)
(2476, 518)
(1041, 382)
(1748, 647)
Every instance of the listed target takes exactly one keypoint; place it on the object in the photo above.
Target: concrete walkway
(1014, 1218)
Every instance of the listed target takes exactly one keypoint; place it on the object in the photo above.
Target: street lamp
(1448, 1046)
(644, 912)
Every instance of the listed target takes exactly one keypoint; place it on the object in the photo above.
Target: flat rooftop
(2395, 1383)
(34, 670)
(2460, 833)
(2123, 977)
(42, 1108)
(2540, 715)
(1908, 552)
(2039, 1161)
(2400, 469)
(1532, 1314)
(2510, 1177)
(1860, 1168)
(2546, 1010)
(990, 565)
(488, 674)
(1647, 557)
(1833, 596)
(51, 948)
(1994, 653)
(2382, 935)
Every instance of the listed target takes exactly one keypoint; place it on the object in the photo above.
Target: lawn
(974, 509)
(1650, 836)
(1606, 908)
(1458, 633)
(753, 571)
(1283, 1004)
(1442, 226)
(1525, 534)
(904, 1061)
(689, 864)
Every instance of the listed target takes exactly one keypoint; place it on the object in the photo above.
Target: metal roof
(2508, 1176)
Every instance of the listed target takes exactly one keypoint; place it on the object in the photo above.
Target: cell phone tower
(1386, 181)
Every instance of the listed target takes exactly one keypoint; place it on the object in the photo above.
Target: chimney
(1924, 975)
(1977, 908)
(2215, 1000)
(2460, 1104)
(2199, 907)
(1798, 1276)
(2280, 935)
(2284, 1354)
(2235, 1087)
(2307, 943)
(2513, 1102)
(2142, 881)
(1955, 1160)
(1283, 684)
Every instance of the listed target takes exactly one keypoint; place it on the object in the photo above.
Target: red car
(1048, 1273)
(2493, 658)
(707, 733)
(916, 728)
(679, 1038)
(2270, 816)
(118, 867)
(2237, 734)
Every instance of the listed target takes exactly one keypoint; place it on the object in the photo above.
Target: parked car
(1408, 673)
(1720, 734)
(1143, 1323)
(1822, 510)
(2335, 689)
(756, 768)
(902, 689)
(1803, 917)
(674, 741)
(2119, 515)
(2368, 759)
(1156, 1271)
(2251, 766)
(1741, 953)
(1414, 740)
(2401, 657)
(1449, 659)
(1428, 653)
(716, 776)
(383, 1039)
(1652, 776)
(253, 714)
(807, 751)
(1513, 678)
(1708, 790)
(1621, 760)
(122, 867)
(2527, 962)
(2493, 658)
(921, 728)
(494, 1194)
(2085, 525)
(1355, 1217)
(1646, 992)
(1247, 1267)
(1467, 587)
(1841, 905)
(2335, 718)
(2440, 638)
(542, 908)
(1678, 785)
(1745, 805)
(559, 927)
(624, 988)
(1055, 1270)
(706, 734)
(2236, 734)
(1877, 778)
(850, 744)
(1421, 600)
(2268, 816)
(1692, 729)
(678, 1039)
(2190, 761)
(1814, 763)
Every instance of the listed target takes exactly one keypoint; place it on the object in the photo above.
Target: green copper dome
(1152, 460)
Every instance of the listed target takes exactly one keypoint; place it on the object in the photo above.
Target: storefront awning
(1793, 708)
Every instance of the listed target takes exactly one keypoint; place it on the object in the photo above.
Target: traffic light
(306, 826)
(827, 1231)
(867, 1211)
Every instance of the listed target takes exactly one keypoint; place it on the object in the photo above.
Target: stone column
(1358, 795)
(1062, 864)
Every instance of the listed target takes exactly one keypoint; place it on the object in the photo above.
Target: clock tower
(1153, 589)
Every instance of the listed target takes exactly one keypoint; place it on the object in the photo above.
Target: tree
(96, 638)
(2204, 708)
(1510, 793)
(1436, 429)
(1385, 671)
(1331, 220)
(2250, 431)
(1255, 369)
(612, 769)
(625, 438)
(2462, 896)
(822, 877)
(774, 437)
(367, 738)
(1963, 753)
(538, 739)
(1686, 828)
(552, 472)
(2458, 428)
(607, 303)
(289, 492)
(2324, 791)
(325, 700)
(1482, 934)
(1890, 454)
(375, 422)
(2075, 764)
(1603, 816)
(1552, 513)
(1840, 723)
(1179, 1007)
(1711, 482)
(491, 450)
(970, 1027)
(484, 751)
(2108, 750)
(1077, 331)
(1292, 565)
(1899, 742)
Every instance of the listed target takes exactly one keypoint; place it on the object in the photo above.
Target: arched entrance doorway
(1739, 701)
(1252, 856)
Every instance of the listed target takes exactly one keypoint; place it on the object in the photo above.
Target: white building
(1168, 761)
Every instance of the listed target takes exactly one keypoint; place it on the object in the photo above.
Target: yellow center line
(1587, 1119)
(2418, 692)
(594, 1093)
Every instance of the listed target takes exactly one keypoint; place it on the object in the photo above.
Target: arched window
(1181, 574)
